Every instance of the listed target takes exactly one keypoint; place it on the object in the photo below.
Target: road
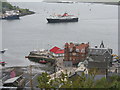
(34, 80)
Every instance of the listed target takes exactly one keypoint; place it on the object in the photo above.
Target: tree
(43, 81)
(77, 81)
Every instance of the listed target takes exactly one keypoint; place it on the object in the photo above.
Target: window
(73, 59)
(77, 50)
(82, 55)
(70, 58)
(73, 54)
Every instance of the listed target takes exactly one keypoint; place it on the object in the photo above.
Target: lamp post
(31, 83)
(106, 69)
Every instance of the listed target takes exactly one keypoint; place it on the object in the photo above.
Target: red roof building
(56, 51)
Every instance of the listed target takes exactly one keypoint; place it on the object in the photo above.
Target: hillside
(87, 0)
(6, 6)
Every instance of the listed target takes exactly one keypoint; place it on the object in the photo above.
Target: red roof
(56, 50)
(59, 51)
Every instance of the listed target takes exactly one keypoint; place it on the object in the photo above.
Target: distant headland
(6, 6)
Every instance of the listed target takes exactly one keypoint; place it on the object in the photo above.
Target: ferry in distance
(62, 18)
(66, 2)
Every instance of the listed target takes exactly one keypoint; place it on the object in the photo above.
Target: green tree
(43, 81)
(115, 81)
(77, 81)
(102, 83)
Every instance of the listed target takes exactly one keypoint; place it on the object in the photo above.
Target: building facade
(101, 54)
(100, 58)
(75, 53)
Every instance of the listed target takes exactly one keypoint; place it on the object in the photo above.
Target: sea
(97, 22)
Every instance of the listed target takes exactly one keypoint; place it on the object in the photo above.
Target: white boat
(3, 51)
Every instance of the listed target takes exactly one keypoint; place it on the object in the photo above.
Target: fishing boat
(62, 18)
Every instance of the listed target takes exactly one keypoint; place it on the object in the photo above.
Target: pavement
(33, 79)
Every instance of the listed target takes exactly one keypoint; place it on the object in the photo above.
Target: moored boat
(11, 15)
(62, 18)
(3, 63)
(40, 56)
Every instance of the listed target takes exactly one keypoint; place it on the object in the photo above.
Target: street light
(31, 84)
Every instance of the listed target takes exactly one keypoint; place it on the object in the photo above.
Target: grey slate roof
(99, 51)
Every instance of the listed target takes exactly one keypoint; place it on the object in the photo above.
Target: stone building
(100, 58)
(74, 53)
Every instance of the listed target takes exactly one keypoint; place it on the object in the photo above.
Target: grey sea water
(97, 22)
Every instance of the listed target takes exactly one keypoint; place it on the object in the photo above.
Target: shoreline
(97, 2)
(107, 3)
(8, 9)
(25, 14)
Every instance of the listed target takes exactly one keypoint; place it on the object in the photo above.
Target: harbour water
(97, 22)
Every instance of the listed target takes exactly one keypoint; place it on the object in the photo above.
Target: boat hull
(43, 62)
(62, 20)
(11, 17)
